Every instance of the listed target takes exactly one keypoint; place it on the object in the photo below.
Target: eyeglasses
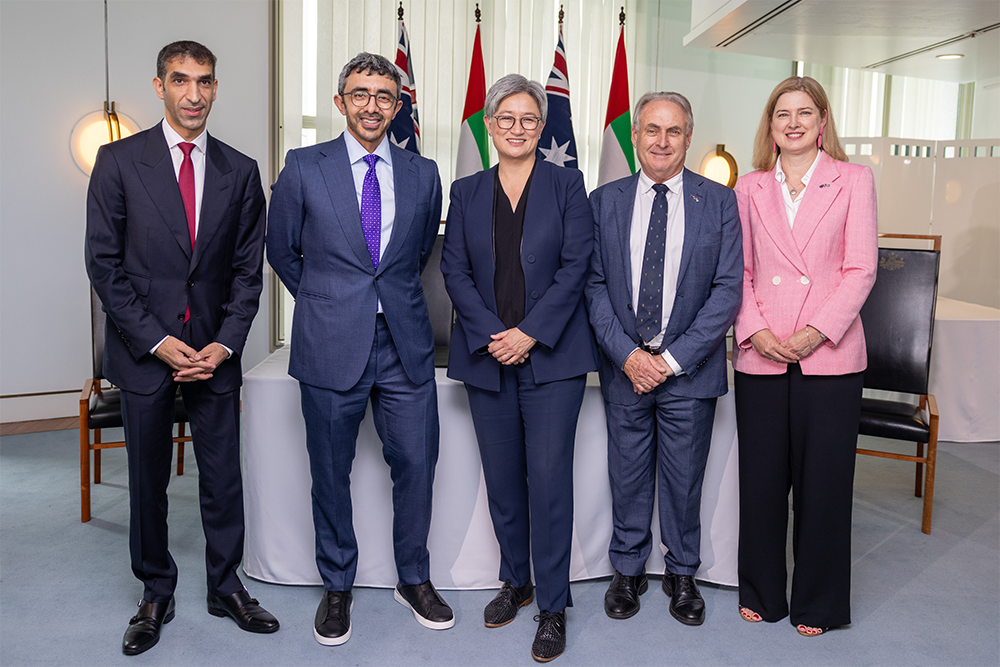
(360, 99)
(528, 123)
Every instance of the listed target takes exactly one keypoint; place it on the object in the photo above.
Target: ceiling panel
(860, 34)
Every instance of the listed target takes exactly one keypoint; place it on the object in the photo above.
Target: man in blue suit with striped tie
(665, 284)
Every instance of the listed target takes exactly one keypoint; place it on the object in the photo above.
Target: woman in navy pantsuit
(516, 254)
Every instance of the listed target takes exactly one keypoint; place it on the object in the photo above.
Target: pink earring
(774, 146)
(819, 139)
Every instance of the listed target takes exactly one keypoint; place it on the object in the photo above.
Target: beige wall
(52, 74)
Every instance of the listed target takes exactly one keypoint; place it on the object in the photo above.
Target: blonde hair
(764, 153)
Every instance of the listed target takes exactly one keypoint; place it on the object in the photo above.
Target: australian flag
(556, 143)
(404, 131)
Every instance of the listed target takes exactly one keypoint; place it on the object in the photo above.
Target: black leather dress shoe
(550, 640)
(144, 628)
(622, 598)
(333, 618)
(430, 610)
(686, 603)
(503, 608)
(243, 609)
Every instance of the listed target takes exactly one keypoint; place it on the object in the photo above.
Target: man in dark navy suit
(174, 249)
(352, 223)
(666, 281)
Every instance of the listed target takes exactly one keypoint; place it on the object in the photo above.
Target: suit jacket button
(804, 280)
(534, 295)
(776, 280)
(190, 283)
(377, 277)
(629, 306)
(181, 317)
(531, 259)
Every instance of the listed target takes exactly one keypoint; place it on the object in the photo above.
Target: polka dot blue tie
(650, 306)
(371, 210)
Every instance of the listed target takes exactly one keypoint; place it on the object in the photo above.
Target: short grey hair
(369, 63)
(513, 84)
(676, 98)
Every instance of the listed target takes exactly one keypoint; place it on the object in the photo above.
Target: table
(965, 371)
(280, 541)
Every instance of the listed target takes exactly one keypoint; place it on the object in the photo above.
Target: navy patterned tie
(371, 210)
(650, 307)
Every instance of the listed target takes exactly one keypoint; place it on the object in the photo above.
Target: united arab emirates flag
(473, 151)
(617, 155)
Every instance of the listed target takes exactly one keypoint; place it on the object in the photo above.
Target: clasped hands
(798, 346)
(190, 365)
(510, 347)
(646, 371)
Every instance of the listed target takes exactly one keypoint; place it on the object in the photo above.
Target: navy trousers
(663, 439)
(215, 428)
(527, 433)
(406, 419)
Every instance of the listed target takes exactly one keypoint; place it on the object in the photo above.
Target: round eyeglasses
(528, 123)
(360, 99)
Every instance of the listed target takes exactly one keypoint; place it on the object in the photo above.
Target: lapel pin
(695, 198)
(825, 185)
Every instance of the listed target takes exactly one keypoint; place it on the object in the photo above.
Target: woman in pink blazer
(810, 251)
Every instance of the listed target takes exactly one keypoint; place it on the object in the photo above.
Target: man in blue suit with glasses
(352, 223)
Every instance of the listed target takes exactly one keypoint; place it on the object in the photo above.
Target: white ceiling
(861, 34)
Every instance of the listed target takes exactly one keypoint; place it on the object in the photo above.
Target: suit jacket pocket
(709, 238)
(139, 283)
(303, 294)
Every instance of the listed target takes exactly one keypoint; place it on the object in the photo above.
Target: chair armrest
(88, 390)
(932, 411)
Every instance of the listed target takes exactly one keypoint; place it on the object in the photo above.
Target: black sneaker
(550, 640)
(503, 608)
(428, 607)
(333, 618)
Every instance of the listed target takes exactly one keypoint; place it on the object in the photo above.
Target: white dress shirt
(387, 187)
(792, 205)
(383, 171)
(644, 195)
(198, 161)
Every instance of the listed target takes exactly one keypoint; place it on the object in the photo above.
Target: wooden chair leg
(180, 450)
(84, 465)
(929, 485)
(918, 482)
(97, 457)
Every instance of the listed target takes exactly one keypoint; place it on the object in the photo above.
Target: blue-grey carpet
(66, 589)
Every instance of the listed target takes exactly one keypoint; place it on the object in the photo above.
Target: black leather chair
(101, 408)
(439, 304)
(898, 318)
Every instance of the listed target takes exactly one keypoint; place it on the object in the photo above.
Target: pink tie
(186, 182)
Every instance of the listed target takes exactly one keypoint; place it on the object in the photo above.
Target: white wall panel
(904, 180)
(967, 216)
(950, 188)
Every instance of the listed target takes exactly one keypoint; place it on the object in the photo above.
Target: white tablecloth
(965, 371)
(280, 542)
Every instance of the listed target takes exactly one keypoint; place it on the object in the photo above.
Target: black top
(508, 227)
